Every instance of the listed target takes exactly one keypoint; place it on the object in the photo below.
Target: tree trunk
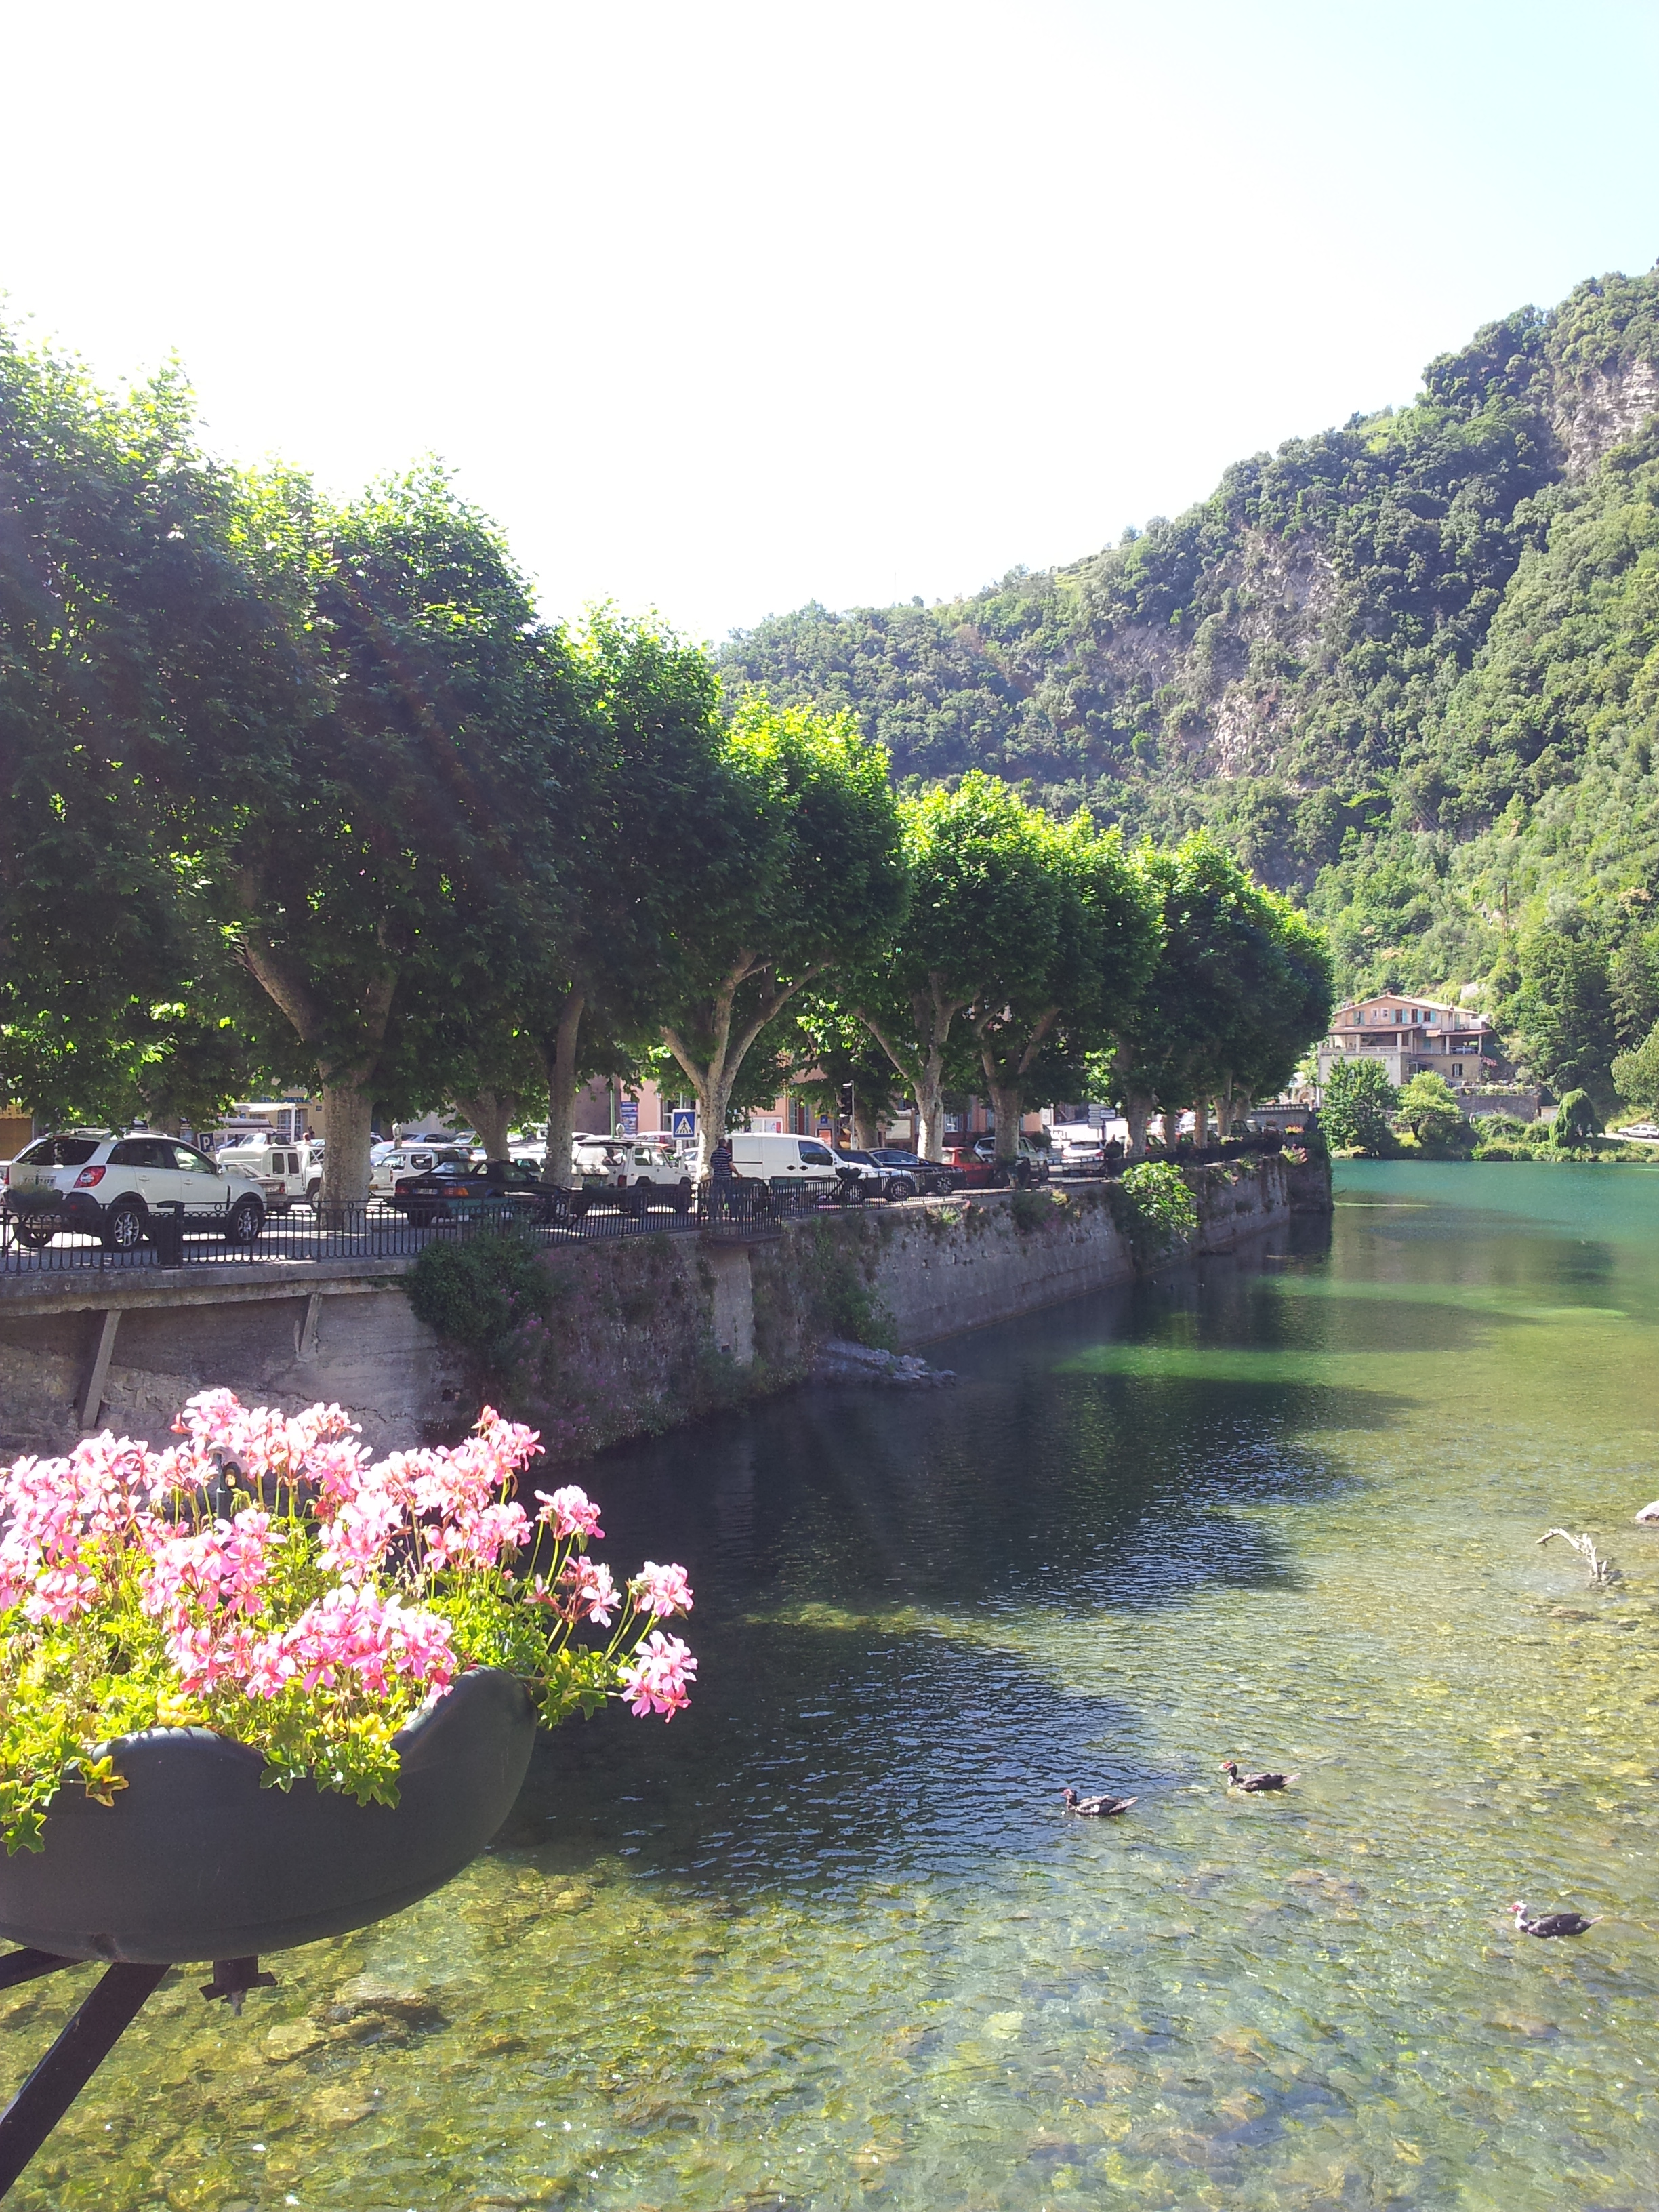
(1226, 1107)
(713, 1080)
(348, 1102)
(864, 1132)
(559, 1056)
(492, 1114)
(930, 1112)
(1200, 1121)
(1006, 1104)
(1137, 1113)
(348, 1115)
(1008, 1097)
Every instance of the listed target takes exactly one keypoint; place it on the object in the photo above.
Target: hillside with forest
(1408, 669)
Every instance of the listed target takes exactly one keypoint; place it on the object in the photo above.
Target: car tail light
(88, 1178)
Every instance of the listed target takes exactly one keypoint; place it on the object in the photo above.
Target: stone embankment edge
(644, 1335)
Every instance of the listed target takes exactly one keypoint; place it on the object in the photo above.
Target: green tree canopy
(817, 881)
(1429, 1108)
(1357, 1105)
(384, 859)
(1636, 1074)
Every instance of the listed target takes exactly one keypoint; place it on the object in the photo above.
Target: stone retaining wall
(643, 1335)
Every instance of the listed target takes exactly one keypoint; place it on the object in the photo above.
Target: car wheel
(901, 1187)
(314, 1191)
(125, 1224)
(632, 1203)
(37, 1235)
(244, 1222)
(684, 1197)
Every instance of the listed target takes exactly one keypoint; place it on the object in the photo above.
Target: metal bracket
(94, 1398)
(95, 2028)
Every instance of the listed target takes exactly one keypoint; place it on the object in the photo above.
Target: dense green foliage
(1429, 1108)
(1160, 1209)
(1358, 1103)
(1637, 1074)
(1408, 670)
(307, 790)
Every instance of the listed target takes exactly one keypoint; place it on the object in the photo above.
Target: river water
(829, 1941)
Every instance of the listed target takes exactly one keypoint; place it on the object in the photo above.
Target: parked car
(884, 1178)
(456, 1189)
(635, 1169)
(284, 1173)
(407, 1160)
(982, 1151)
(930, 1178)
(1644, 1132)
(761, 1157)
(110, 1186)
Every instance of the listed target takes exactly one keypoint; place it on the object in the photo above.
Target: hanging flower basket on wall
(261, 1689)
(195, 1860)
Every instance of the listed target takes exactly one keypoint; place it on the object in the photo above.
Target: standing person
(719, 1175)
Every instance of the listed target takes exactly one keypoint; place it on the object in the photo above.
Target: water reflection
(827, 1940)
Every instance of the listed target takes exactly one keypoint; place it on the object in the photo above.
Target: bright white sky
(722, 307)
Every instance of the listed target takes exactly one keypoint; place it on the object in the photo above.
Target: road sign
(628, 1117)
(683, 1121)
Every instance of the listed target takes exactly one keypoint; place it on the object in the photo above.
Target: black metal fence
(738, 1212)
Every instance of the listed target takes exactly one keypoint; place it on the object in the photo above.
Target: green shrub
(1358, 1103)
(1576, 1120)
(480, 1290)
(1036, 1209)
(1161, 1209)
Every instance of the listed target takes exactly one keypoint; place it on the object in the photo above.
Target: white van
(766, 1159)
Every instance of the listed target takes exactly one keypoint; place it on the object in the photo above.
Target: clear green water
(827, 1941)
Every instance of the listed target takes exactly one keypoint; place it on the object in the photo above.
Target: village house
(1415, 1036)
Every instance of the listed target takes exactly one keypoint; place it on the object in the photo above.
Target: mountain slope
(1410, 667)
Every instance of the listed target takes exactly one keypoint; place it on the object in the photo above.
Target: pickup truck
(286, 1174)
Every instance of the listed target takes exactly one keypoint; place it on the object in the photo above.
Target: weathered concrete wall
(351, 1340)
(640, 1335)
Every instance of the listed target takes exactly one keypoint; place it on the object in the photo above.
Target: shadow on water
(878, 1573)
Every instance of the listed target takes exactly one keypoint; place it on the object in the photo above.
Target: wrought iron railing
(38, 1243)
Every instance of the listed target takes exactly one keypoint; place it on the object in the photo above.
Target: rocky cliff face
(1306, 626)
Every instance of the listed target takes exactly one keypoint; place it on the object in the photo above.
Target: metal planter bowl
(194, 1860)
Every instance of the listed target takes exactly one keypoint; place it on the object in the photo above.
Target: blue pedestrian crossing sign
(683, 1121)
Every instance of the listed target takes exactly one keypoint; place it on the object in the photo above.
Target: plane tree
(386, 859)
(1024, 940)
(814, 880)
(137, 639)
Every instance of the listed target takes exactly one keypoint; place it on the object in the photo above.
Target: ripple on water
(830, 1941)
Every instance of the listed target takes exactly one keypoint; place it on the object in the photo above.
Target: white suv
(109, 1186)
(632, 1167)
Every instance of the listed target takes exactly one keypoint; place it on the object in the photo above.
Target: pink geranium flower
(654, 1679)
(570, 1512)
(661, 1590)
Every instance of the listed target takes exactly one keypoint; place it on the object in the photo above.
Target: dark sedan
(928, 1176)
(456, 1190)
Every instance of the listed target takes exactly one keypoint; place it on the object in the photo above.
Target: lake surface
(828, 1941)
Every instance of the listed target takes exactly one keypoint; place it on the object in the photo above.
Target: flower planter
(195, 1860)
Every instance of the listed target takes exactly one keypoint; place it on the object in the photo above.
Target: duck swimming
(1551, 1923)
(1096, 1807)
(1254, 1783)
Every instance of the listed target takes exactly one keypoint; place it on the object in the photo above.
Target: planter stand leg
(233, 1978)
(73, 2060)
